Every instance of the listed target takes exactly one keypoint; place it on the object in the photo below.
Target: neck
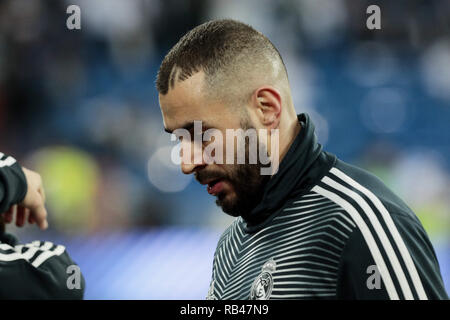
(292, 130)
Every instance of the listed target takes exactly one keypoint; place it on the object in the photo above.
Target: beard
(248, 185)
(246, 179)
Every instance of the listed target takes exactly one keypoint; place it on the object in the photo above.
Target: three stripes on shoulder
(36, 252)
(366, 219)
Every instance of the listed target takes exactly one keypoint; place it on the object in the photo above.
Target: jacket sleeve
(38, 270)
(416, 278)
(13, 185)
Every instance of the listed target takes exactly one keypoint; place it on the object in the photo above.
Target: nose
(191, 157)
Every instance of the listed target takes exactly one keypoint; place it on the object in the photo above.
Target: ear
(267, 101)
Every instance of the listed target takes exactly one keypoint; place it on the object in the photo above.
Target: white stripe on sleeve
(47, 254)
(376, 254)
(393, 230)
(32, 248)
(379, 231)
(7, 162)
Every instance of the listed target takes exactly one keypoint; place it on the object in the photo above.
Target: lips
(215, 187)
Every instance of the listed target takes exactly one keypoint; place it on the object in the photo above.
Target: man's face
(238, 187)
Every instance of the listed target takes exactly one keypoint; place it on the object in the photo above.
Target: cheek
(229, 191)
(232, 178)
(230, 170)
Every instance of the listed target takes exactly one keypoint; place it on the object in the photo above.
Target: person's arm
(37, 270)
(415, 278)
(22, 194)
(13, 184)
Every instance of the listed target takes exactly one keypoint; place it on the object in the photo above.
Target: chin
(228, 203)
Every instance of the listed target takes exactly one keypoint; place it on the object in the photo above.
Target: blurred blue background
(81, 108)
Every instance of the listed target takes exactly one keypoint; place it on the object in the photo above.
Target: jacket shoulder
(361, 179)
(388, 235)
(39, 270)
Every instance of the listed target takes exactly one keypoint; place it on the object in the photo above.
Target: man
(37, 270)
(318, 228)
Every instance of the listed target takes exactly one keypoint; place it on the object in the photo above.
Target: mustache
(206, 175)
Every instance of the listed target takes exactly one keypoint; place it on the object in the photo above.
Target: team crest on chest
(263, 284)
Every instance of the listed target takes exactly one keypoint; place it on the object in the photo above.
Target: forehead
(186, 102)
(187, 92)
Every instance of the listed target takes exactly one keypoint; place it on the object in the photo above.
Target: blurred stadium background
(81, 108)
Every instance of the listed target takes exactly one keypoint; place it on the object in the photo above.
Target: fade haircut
(229, 52)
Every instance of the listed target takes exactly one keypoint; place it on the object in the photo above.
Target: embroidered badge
(263, 284)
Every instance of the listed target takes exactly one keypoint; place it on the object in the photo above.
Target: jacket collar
(301, 168)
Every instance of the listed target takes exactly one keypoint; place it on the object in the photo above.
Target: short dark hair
(213, 46)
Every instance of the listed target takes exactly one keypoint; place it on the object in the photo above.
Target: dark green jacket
(325, 229)
(37, 270)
